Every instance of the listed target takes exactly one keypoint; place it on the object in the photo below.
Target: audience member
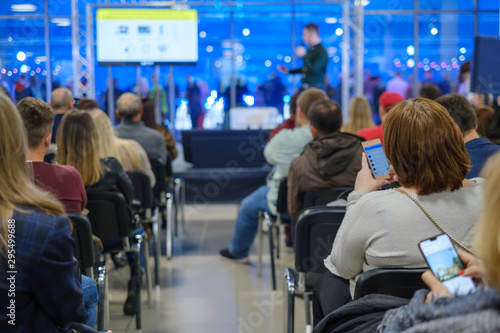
(61, 102)
(128, 152)
(48, 295)
(484, 114)
(430, 91)
(464, 81)
(359, 116)
(86, 104)
(284, 147)
(386, 102)
(479, 149)
(148, 117)
(382, 228)
(332, 159)
(398, 85)
(129, 108)
(78, 145)
(290, 122)
(436, 310)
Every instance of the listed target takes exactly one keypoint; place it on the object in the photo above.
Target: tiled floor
(199, 293)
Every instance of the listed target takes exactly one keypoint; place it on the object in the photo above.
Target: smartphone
(443, 260)
(376, 159)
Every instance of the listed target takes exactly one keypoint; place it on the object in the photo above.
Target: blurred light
(410, 63)
(463, 50)
(218, 64)
(38, 70)
(426, 61)
(32, 73)
(454, 60)
(9, 73)
(184, 102)
(210, 100)
(339, 32)
(9, 39)
(279, 56)
(246, 32)
(24, 8)
(410, 50)
(396, 60)
(437, 68)
(249, 100)
(434, 31)
(454, 65)
(331, 20)
(24, 68)
(286, 98)
(336, 59)
(239, 58)
(3, 71)
(38, 60)
(288, 59)
(21, 56)
(61, 22)
(210, 48)
(220, 103)
(268, 63)
(247, 57)
(15, 71)
(432, 64)
(58, 68)
(203, 34)
(426, 68)
(444, 64)
(213, 93)
(448, 68)
(44, 72)
(55, 73)
(462, 57)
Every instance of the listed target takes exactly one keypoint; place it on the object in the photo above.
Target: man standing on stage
(315, 59)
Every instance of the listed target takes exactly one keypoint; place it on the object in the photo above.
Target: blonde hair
(78, 145)
(128, 155)
(359, 116)
(17, 187)
(105, 133)
(487, 239)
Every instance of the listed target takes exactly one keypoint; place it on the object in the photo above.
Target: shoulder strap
(434, 221)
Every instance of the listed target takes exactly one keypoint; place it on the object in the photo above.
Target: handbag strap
(434, 221)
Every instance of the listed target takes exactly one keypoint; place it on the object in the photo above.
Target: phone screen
(376, 158)
(444, 262)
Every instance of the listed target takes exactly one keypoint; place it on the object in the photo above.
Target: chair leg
(289, 285)
(138, 287)
(156, 235)
(278, 241)
(101, 292)
(307, 302)
(271, 252)
(148, 274)
(259, 249)
(177, 200)
(183, 200)
(169, 236)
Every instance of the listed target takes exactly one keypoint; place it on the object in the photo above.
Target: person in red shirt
(386, 102)
(63, 181)
(290, 122)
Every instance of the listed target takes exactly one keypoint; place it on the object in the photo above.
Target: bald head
(62, 100)
(128, 106)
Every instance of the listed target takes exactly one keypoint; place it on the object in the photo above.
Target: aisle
(202, 294)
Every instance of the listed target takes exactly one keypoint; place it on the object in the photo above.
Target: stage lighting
(249, 100)
(21, 56)
(23, 68)
(434, 31)
(339, 32)
(288, 59)
(463, 50)
(203, 34)
(410, 63)
(410, 50)
(210, 48)
(246, 32)
(268, 63)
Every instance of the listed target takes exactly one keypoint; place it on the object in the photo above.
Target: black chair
(111, 218)
(144, 195)
(315, 232)
(323, 197)
(398, 282)
(84, 245)
(274, 223)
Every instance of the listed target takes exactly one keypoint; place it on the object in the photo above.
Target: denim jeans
(90, 299)
(247, 222)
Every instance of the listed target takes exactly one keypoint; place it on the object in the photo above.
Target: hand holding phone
(378, 163)
(445, 264)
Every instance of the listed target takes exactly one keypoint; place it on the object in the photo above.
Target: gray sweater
(382, 229)
(151, 140)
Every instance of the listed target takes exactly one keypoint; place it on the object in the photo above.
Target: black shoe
(119, 259)
(129, 306)
(225, 254)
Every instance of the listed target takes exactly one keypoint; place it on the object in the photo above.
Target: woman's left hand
(438, 289)
(365, 181)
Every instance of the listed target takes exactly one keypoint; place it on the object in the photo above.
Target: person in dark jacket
(332, 159)
(40, 292)
(77, 145)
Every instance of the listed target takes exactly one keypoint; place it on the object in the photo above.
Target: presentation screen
(147, 36)
(485, 76)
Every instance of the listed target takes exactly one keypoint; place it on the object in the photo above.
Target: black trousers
(329, 294)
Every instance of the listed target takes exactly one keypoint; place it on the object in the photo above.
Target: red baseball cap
(389, 99)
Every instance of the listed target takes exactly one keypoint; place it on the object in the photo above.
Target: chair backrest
(160, 173)
(323, 197)
(84, 245)
(399, 282)
(142, 187)
(109, 215)
(315, 232)
(282, 203)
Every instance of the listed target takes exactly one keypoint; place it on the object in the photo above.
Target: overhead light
(61, 22)
(331, 20)
(363, 3)
(24, 8)
(21, 56)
